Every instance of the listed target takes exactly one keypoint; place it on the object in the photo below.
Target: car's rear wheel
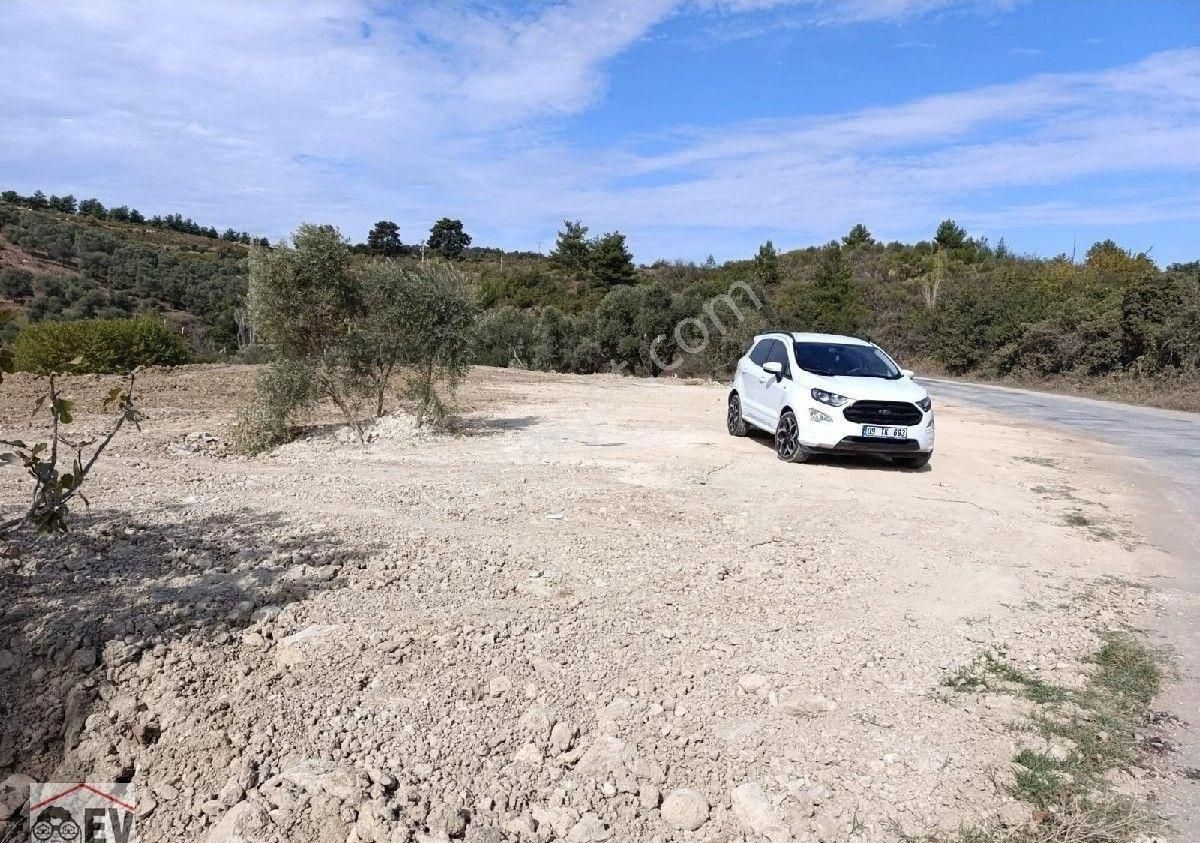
(917, 461)
(787, 439)
(733, 417)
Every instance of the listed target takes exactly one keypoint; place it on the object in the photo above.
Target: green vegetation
(1111, 322)
(339, 328)
(1086, 734)
(97, 345)
(58, 468)
(83, 267)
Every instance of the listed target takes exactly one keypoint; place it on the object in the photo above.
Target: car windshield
(858, 361)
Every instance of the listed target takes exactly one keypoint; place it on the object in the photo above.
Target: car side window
(758, 354)
(778, 354)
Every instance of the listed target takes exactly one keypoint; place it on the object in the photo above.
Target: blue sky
(696, 127)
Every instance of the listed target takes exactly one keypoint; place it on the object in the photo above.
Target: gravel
(398, 643)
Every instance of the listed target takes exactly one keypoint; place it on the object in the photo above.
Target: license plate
(885, 432)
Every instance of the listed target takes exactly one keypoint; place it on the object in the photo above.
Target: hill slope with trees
(1110, 320)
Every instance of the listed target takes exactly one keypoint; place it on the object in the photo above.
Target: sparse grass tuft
(1089, 730)
(975, 677)
(1040, 778)
(1128, 670)
(1109, 820)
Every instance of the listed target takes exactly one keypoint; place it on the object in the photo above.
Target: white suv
(825, 393)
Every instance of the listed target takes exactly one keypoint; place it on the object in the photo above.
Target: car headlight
(830, 398)
(816, 415)
(925, 404)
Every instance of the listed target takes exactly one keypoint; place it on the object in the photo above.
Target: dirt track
(590, 599)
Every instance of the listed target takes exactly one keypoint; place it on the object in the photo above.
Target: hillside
(56, 265)
(1111, 322)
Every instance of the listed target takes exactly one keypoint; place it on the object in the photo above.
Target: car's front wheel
(787, 439)
(733, 417)
(916, 461)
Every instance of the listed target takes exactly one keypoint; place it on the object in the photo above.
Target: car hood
(871, 389)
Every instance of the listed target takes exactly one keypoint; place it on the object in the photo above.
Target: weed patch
(1083, 734)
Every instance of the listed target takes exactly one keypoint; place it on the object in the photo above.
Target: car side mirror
(908, 373)
(774, 368)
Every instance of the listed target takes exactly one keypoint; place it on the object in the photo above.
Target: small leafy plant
(60, 467)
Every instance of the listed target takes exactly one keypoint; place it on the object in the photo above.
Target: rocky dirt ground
(588, 615)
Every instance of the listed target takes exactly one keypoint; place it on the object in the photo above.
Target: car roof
(801, 336)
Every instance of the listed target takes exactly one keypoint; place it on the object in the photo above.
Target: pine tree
(572, 249)
(611, 263)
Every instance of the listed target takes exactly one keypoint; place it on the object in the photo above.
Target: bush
(101, 345)
(282, 390)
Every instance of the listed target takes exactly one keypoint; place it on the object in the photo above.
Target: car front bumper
(841, 436)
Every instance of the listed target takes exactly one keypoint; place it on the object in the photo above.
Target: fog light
(817, 416)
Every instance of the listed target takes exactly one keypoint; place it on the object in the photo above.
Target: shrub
(282, 390)
(99, 345)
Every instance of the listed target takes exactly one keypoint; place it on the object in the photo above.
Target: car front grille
(883, 413)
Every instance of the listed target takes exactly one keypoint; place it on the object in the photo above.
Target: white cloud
(263, 115)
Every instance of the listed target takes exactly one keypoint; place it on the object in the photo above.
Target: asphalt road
(1169, 441)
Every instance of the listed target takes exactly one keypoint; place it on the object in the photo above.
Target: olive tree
(432, 313)
(304, 299)
(415, 319)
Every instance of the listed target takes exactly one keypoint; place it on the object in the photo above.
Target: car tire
(918, 461)
(787, 439)
(734, 423)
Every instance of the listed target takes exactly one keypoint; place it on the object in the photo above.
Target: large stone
(13, 794)
(685, 809)
(589, 829)
(315, 777)
(561, 736)
(606, 756)
(752, 683)
(238, 824)
(754, 811)
(301, 646)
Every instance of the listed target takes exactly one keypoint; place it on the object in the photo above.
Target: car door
(753, 379)
(773, 393)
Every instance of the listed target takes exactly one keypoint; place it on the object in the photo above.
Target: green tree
(572, 249)
(447, 237)
(433, 311)
(611, 263)
(302, 299)
(384, 239)
(92, 208)
(629, 320)
(858, 236)
(950, 235)
(555, 341)
(63, 204)
(505, 336)
(766, 264)
(1108, 258)
(417, 318)
(831, 303)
